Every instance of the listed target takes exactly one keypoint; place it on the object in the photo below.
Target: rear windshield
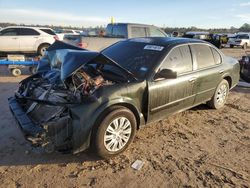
(48, 31)
(138, 58)
(119, 31)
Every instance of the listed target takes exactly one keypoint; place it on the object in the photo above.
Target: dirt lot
(197, 148)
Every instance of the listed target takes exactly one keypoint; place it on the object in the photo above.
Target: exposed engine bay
(46, 101)
(66, 78)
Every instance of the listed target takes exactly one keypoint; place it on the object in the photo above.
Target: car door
(208, 70)
(167, 96)
(28, 39)
(9, 40)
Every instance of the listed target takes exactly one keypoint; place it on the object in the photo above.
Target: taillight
(56, 37)
(83, 45)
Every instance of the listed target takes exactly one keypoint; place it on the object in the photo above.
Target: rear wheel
(32, 70)
(115, 132)
(220, 95)
(231, 46)
(42, 49)
(245, 77)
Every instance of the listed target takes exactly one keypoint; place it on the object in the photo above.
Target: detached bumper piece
(53, 135)
(27, 126)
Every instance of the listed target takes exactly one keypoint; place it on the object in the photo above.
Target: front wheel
(220, 95)
(115, 132)
(16, 72)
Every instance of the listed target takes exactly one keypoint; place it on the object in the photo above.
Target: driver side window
(179, 60)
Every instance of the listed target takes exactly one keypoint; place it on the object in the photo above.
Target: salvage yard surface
(197, 148)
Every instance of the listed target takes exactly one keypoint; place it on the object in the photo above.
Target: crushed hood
(65, 58)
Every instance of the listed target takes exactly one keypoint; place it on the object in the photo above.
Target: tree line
(244, 28)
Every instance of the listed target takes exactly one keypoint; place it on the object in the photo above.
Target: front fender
(85, 117)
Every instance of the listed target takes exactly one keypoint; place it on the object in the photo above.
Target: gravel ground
(197, 148)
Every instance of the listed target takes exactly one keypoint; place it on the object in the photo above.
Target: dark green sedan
(80, 99)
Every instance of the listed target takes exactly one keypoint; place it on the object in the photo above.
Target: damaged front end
(43, 101)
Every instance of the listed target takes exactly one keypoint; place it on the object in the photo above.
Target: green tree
(245, 27)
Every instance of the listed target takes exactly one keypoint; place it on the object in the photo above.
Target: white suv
(26, 39)
(241, 40)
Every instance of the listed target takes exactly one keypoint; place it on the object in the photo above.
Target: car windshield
(136, 57)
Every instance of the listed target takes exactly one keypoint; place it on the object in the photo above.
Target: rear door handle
(192, 79)
(221, 71)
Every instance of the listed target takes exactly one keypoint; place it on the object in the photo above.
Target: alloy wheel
(117, 134)
(222, 94)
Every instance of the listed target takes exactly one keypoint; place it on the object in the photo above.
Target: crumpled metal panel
(66, 58)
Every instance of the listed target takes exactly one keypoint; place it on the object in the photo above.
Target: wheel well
(119, 105)
(134, 111)
(42, 45)
(229, 80)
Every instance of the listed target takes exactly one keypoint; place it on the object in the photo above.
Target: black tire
(231, 46)
(100, 131)
(245, 78)
(32, 69)
(215, 103)
(16, 72)
(42, 48)
(244, 46)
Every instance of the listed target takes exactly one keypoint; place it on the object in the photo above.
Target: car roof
(133, 24)
(166, 41)
(197, 33)
(26, 27)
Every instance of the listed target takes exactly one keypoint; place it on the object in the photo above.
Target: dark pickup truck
(113, 34)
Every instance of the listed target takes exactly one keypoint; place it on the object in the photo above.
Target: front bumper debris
(52, 136)
(27, 126)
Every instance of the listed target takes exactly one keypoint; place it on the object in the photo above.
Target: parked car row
(26, 39)
(19, 39)
(245, 68)
(113, 34)
(240, 40)
(222, 40)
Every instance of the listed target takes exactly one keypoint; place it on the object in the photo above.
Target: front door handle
(192, 79)
(221, 71)
(14, 38)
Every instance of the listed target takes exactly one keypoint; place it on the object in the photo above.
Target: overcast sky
(174, 13)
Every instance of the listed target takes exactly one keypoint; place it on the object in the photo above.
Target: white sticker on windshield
(144, 69)
(153, 47)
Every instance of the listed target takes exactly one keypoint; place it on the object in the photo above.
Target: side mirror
(166, 73)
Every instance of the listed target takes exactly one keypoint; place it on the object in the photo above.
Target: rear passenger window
(217, 56)
(179, 60)
(138, 32)
(27, 31)
(204, 55)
